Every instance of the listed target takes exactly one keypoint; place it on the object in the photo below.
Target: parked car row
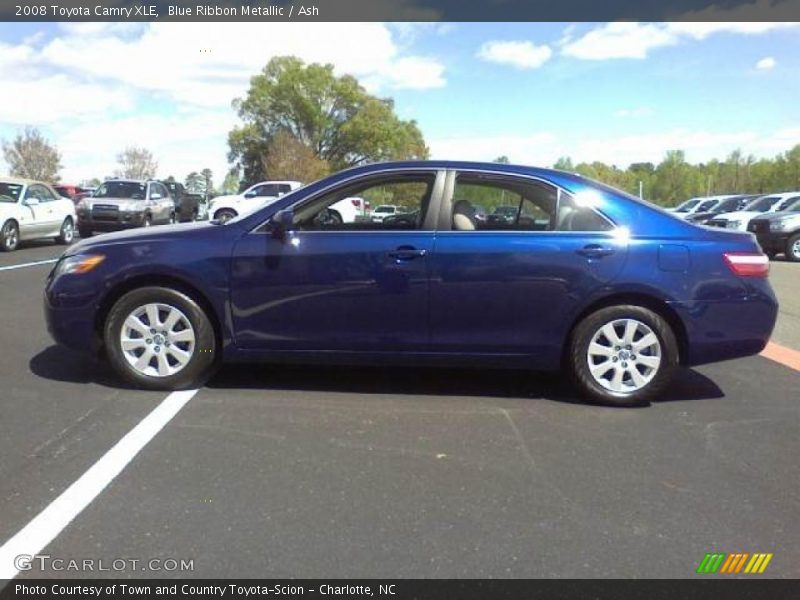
(773, 218)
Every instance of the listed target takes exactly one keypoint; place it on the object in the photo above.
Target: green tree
(503, 160)
(136, 163)
(334, 116)
(230, 185)
(564, 164)
(31, 156)
(207, 177)
(194, 183)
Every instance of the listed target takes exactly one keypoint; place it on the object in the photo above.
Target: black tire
(579, 360)
(224, 214)
(771, 254)
(84, 232)
(9, 236)
(172, 219)
(147, 221)
(201, 364)
(793, 248)
(67, 234)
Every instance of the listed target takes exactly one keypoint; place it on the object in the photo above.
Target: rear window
(9, 192)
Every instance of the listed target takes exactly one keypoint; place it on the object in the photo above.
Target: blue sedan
(482, 265)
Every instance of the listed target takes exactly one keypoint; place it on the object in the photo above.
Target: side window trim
(445, 220)
(431, 217)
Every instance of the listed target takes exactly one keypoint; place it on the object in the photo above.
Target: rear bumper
(726, 329)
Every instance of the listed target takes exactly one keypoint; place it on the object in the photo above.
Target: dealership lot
(333, 472)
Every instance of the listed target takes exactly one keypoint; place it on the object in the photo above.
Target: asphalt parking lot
(333, 472)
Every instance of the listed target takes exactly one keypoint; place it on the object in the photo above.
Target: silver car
(123, 204)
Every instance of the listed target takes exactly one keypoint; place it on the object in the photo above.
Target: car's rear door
(506, 286)
(333, 286)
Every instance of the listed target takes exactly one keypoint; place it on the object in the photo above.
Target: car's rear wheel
(159, 338)
(224, 214)
(793, 248)
(67, 233)
(9, 236)
(148, 221)
(623, 355)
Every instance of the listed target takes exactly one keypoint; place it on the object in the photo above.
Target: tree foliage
(136, 163)
(334, 117)
(674, 179)
(31, 156)
(289, 158)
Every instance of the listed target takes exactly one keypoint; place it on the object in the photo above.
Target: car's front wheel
(623, 355)
(159, 338)
(67, 232)
(793, 248)
(224, 214)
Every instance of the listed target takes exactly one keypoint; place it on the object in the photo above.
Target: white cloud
(619, 40)
(636, 40)
(94, 87)
(543, 148)
(522, 55)
(766, 63)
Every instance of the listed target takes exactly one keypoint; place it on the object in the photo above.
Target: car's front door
(331, 286)
(37, 210)
(503, 284)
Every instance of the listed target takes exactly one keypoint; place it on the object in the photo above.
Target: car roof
(19, 180)
(125, 180)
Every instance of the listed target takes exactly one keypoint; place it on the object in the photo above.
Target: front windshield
(762, 204)
(728, 205)
(10, 192)
(707, 205)
(787, 204)
(122, 189)
(687, 206)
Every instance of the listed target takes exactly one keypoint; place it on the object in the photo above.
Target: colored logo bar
(736, 562)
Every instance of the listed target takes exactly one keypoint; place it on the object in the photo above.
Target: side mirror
(282, 221)
(250, 195)
(31, 201)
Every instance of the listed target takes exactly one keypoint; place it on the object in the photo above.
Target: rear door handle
(595, 251)
(407, 253)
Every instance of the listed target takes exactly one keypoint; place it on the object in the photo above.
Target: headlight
(734, 224)
(785, 224)
(78, 264)
(83, 204)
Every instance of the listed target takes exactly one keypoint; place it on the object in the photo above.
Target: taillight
(356, 202)
(747, 264)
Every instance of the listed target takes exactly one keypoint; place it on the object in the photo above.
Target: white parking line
(35, 536)
(30, 264)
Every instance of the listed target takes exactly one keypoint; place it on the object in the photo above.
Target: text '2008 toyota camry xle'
(575, 275)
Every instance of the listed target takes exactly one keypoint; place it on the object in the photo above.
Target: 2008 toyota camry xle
(478, 264)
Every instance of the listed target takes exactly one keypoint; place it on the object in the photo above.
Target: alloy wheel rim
(10, 236)
(796, 248)
(157, 340)
(624, 355)
(68, 232)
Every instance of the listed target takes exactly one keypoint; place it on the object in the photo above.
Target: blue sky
(532, 91)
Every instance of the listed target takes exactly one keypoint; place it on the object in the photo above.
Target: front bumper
(123, 220)
(70, 316)
(773, 241)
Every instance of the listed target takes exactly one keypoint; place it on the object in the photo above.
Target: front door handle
(595, 251)
(404, 253)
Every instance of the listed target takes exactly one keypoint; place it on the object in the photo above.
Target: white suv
(763, 204)
(223, 208)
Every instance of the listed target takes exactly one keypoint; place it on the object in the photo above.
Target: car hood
(228, 198)
(170, 233)
(776, 216)
(740, 215)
